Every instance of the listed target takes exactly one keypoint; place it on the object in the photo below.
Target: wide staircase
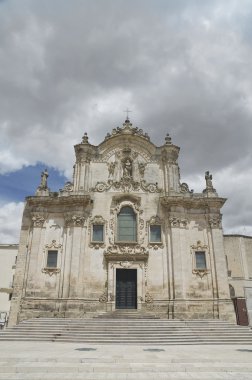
(128, 328)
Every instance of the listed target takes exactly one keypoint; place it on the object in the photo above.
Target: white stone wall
(8, 253)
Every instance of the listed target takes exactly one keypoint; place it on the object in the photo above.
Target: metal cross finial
(127, 113)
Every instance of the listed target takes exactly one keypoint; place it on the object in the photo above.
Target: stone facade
(181, 272)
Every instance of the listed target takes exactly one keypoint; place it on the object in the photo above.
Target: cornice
(70, 200)
(192, 202)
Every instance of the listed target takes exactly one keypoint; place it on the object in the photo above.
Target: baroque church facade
(125, 234)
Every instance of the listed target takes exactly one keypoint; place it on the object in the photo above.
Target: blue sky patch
(15, 186)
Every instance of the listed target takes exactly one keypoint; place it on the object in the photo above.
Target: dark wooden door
(126, 288)
(241, 311)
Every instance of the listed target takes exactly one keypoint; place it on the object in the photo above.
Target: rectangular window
(200, 260)
(155, 234)
(52, 257)
(98, 232)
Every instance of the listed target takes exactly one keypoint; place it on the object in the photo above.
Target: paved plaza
(68, 361)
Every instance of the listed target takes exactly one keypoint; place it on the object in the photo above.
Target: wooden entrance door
(126, 288)
(241, 311)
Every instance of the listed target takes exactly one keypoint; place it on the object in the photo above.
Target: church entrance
(126, 288)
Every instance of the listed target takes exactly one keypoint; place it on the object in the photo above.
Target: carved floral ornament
(215, 222)
(53, 245)
(74, 220)
(178, 222)
(38, 220)
(126, 185)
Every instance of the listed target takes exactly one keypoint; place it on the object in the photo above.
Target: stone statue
(208, 178)
(141, 168)
(127, 168)
(44, 176)
(111, 169)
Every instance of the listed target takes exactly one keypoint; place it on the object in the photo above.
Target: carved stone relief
(215, 222)
(72, 220)
(38, 220)
(178, 222)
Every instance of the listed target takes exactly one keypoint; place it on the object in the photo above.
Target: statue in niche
(141, 168)
(111, 169)
(127, 168)
(208, 178)
(44, 176)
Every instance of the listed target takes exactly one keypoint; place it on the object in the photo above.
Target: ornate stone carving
(68, 188)
(125, 251)
(200, 272)
(38, 220)
(156, 246)
(74, 221)
(184, 188)
(124, 264)
(215, 222)
(127, 129)
(148, 298)
(52, 245)
(199, 246)
(126, 185)
(50, 271)
(178, 222)
(103, 298)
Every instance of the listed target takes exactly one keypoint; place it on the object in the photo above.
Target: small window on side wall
(200, 260)
(155, 233)
(52, 258)
(98, 235)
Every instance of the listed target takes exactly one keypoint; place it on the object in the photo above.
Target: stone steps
(128, 331)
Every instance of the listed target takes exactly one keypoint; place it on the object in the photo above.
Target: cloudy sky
(183, 67)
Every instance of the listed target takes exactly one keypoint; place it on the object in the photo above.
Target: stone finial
(168, 139)
(85, 139)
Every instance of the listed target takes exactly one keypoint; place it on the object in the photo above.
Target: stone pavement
(65, 361)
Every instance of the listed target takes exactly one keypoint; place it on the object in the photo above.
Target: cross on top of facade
(127, 113)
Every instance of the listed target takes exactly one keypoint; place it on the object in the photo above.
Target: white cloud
(10, 221)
